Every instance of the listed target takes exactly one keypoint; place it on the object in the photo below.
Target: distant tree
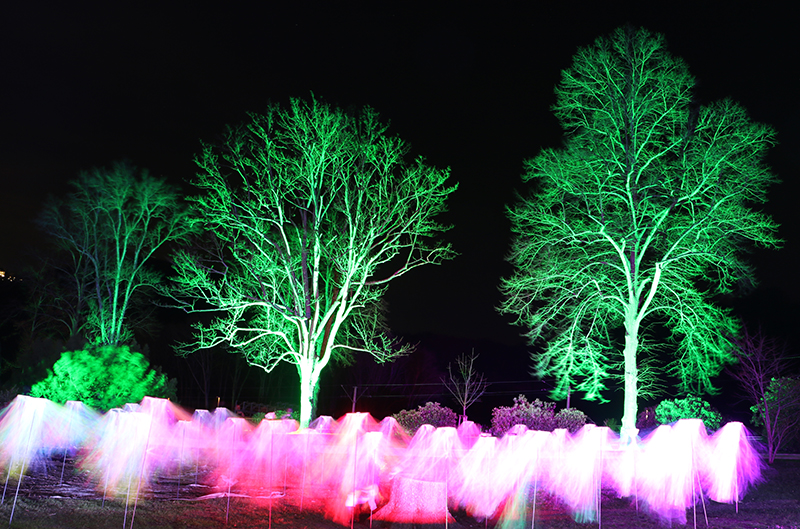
(57, 301)
(111, 225)
(761, 371)
(312, 213)
(640, 219)
(779, 413)
(103, 377)
(466, 385)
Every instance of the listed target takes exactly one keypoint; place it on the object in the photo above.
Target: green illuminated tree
(313, 212)
(641, 218)
(111, 225)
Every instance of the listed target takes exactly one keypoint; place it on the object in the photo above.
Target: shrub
(103, 377)
(613, 423)
(432, 413)
(536, 415)
(571, 419)
(691, 407)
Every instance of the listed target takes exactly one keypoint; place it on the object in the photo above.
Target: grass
(775, 504)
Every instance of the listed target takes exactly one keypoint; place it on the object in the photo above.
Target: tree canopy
(310, 212)
(643, 217)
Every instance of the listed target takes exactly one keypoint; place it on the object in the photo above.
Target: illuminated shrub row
(690, 407)
(536, 415)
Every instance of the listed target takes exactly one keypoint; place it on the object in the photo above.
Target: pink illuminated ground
(159, 461)
(46, 504)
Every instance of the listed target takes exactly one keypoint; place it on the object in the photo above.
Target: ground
(44, 500)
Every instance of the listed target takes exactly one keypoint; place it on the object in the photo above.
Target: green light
(103, 377)
(311, 213)
(640, 218)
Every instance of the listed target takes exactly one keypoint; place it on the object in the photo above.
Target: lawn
(43, 502)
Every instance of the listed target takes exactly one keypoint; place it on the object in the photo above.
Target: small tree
(104, 377)
(779, 413)
(761, 370)
(467, 385)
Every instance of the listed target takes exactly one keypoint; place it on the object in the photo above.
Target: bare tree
(761, 371)
(466, 385)
(111, 226)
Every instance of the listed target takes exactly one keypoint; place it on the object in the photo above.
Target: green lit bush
(432, 413)
(103, 377)
(690, 407)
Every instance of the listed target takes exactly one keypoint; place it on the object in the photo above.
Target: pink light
(356, 466)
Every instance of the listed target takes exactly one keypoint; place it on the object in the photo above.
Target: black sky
(470, 88)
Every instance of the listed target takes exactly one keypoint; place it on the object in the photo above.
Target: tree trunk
(628, 430)
(309, 377)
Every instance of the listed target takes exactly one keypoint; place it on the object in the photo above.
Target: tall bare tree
(312, 213)
(111, 225)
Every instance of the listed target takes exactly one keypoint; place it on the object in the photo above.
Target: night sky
(470, 89)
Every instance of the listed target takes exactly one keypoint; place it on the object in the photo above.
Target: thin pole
(127, 500)
(271, 433)
(180, 461)
(22, 471)
(64, 462)
(8, 475)
(355, 458)
(305, 462)
(600, 486)
(230, 478)
(141, 470)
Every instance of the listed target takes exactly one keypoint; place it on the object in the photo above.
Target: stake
(105, 489)
(305, 462)
(355, 457)
(64, 462)
(141, 470)
(271, 433)
(22, 471)
(230, 478)
(127, 500)
(180, 462)
(600, 488)
(8, 475)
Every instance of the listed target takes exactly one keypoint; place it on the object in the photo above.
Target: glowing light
(356, 466)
